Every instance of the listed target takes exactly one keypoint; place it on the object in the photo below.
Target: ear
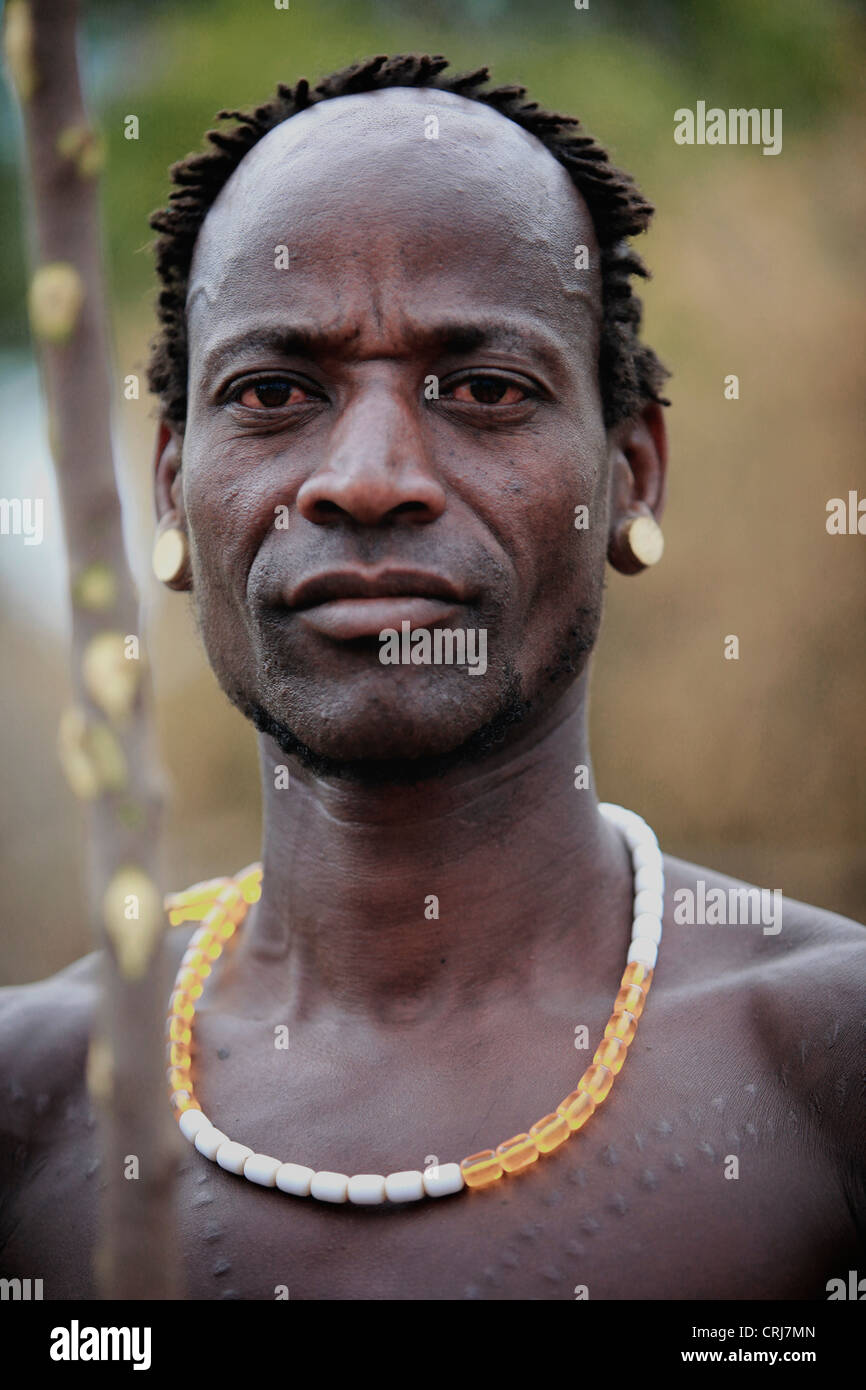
(637, 480)
(170, 561)
(167, 486)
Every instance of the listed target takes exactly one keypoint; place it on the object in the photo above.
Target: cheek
(562, 540)
(221, 519)
(225, 512)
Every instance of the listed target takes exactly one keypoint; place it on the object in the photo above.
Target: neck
(405, 902)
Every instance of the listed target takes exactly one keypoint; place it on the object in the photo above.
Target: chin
(380, 744)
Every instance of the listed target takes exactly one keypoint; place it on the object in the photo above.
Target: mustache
(280, 580)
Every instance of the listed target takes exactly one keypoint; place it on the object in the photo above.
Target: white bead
(644, 951)
(651, 879)
(647, 855)
(640, 837)
(262, 1169)
(367, 1189)
(330, 1187)
(404, 1187)
(647, 927)
(443, 1182)
(645, 901)
(295, 1178)
(208, 1141)
(233, 1156)
(615, 814)
(190, 1122)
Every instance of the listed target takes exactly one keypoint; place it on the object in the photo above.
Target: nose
(377, 471)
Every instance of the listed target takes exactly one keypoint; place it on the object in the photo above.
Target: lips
(346, 604)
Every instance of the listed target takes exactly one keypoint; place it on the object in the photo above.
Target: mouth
(350, 604)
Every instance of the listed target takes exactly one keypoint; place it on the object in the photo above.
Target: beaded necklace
(221, 904)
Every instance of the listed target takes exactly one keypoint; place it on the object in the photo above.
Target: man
(402, 383)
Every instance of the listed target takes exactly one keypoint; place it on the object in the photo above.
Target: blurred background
(755, 767)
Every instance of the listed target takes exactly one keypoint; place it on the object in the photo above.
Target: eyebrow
(450, 338)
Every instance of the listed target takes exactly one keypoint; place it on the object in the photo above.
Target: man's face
(315, 447)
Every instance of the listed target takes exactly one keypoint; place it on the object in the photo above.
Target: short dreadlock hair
(630, 373)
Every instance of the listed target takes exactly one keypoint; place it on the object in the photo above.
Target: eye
(489, 390)
(270, 394)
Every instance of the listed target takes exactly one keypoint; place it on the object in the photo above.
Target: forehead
(412, 193)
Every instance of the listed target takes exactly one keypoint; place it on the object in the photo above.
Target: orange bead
(481, 1169)
(181, 1004)
(516, 1153)
(190, 983)
(637, 974)
(549, 1132)
(622, 1025)
(183, 1100)
(576, 1109)
(179, 1056)
(596, 1081)
(179, 1030)
(631, 1000)
(611, 1054)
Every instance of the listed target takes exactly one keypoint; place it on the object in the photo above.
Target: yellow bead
(249, 882)
(576, 1109)
(193, 903)
(637, 974)
(481, 1169)
(183, 1100)
(179, 1056)
(194, 913)
(178, 1079)
(630, 999)
(199, 962)
(206, 891)
(179, 1031)
(181, 1004)
(214, 919)
(549, 1132)
(596, 1081)
(190, 983)
(622, 1025)
(213, 950)
(611, 1054)
(516, 1153)
(230, 895)
(226, 930)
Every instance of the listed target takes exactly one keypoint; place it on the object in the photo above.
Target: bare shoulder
(790, 948)
(45, 1031)
(790, 975)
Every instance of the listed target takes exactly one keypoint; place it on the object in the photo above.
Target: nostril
(408, 507)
